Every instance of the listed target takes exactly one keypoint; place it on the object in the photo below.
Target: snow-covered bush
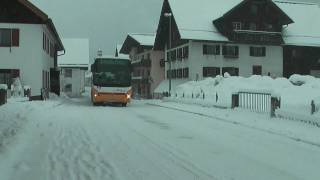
(218, 91)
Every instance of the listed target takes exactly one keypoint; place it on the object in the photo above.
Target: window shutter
(15, 37)
(264, 51)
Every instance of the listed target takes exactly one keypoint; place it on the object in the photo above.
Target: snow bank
(3, 86)
(26, 88)
(296, 93)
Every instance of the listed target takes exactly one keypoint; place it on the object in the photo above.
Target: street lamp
(169, 15)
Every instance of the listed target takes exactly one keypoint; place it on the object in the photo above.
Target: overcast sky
(104, 22)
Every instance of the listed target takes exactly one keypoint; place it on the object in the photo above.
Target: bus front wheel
(124, 104)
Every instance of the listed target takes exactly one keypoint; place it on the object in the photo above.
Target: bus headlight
(95, 95)
(128, 96)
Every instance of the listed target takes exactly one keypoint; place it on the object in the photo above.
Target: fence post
(176, 95)
(192, 95)
(183, 95)
(204, 96)
(313, 107)
(275, 104)
(235, 101)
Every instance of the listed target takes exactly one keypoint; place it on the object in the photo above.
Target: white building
(262, 37)
(29, 44)
(74, 66)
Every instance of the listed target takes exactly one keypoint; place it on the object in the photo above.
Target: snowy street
(66, 139)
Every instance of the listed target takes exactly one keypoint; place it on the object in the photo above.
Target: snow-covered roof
(306, 29)
(77, 53)
(194, 20)
(120, 55)
(144, 39)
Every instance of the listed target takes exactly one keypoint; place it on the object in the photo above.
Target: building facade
(73, 66)
(148, 64)
(243, 38)
(29, 45)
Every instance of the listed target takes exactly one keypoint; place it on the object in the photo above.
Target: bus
(111, 81)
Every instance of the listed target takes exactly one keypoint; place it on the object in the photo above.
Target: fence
(256, 101)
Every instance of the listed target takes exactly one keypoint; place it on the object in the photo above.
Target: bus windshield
(112, 74)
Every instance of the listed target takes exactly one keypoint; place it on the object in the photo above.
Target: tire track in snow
(73, 156)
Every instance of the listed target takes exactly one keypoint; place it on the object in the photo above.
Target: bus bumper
(110, 98)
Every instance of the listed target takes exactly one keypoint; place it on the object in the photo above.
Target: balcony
(256, 37)
(141, 80)
(142, 63)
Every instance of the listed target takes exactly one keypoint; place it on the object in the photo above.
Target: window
(168, 56)
(237, 25)
(211, 49)
(174, 74)
(173, 55)
(68, 88)
(185, 52)
(179, 54)
(211, 71)
(230, 51)
(258, 51)
(68, 73)
(253, 26)
(168, 74)
(9, 37)
(257, 70)
(231, 70)
(185, 72)
(179, 73)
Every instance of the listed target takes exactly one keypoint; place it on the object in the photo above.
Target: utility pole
(169, 15)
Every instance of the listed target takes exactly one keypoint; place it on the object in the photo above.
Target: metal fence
(256, 101)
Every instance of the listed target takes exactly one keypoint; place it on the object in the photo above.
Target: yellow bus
(111, 81)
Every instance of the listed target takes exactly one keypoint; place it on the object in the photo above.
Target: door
(257, 70)
(55, 81)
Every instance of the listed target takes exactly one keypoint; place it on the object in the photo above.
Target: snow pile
(3, 87)
(296, 93)
(26, 88)
(12, 118)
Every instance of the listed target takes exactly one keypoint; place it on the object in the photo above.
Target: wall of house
(157, 72)
(77, 82)
(29, 57)
(272, 63)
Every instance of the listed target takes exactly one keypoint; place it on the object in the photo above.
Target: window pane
(5, 37)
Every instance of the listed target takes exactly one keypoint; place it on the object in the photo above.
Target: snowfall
(178, 138)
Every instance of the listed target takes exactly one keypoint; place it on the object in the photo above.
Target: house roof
(194, 20)
(144, 39)
(120, 55)
(135, 40)
(77, 53)
(46, 20)
(305, 30)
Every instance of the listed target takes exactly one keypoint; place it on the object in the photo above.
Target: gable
(20, 11)
(259, 10)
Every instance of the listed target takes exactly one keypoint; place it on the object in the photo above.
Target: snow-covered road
(72, 140)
